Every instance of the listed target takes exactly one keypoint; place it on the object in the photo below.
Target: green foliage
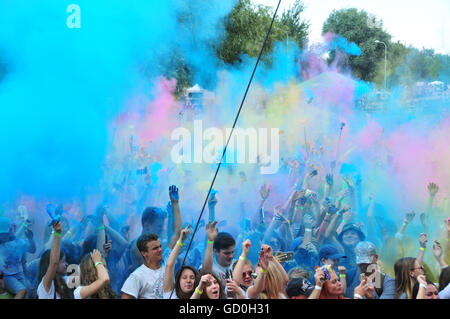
(247, 25)
(357, 26)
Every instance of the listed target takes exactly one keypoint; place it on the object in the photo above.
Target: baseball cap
(365, 251)
(330, 251)
(5, 225)
(299, 286)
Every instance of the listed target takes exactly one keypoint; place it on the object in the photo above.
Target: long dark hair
(185, 295)
(403, 281)
(59, 282)
(444, 278)
(221, 288)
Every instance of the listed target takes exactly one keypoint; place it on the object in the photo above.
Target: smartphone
(106, 238)
(314, 173)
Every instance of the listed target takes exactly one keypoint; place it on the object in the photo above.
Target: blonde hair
(88, 274)
(274, 283)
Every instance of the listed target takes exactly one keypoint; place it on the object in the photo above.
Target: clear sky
(420, 23)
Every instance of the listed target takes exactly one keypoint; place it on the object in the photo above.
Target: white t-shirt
(145, 283)
(167, 295)
(42, 294)
(77, 293)
(221, 272)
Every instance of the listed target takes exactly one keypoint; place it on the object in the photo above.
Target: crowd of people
(312, 248)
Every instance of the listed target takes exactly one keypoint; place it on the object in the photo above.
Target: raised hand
(423, 239)
(212, 201)
(349, 181)
(263, 259)
(233, 288)
(437, 249)
(211, 230)
(205, 281)
(57, 227)
(409, 217)
(246, 247)
(422, 279)
(265, 191)
(433, 189)
(184, 233)
(96, 256)
(319, 277)
(298, 195)
(267, 250)
(173, 194)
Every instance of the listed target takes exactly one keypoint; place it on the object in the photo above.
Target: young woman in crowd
(209, 287)
(406, 271)
(52, 268)
(94, 278)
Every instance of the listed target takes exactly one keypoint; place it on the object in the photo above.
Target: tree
(363, 29)
(246, 27)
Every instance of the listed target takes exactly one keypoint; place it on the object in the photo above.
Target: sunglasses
(421, 267)
(247, 273)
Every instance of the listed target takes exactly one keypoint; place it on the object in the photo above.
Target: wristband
(24, 225)
(101, 227)
(339, 213)
(357, 296)
(98, 263)
(344, 221)
(422, 248)
(423, 286)
(198, 291)
(241, 258)
(179, 243)
(69, 232)
(327, 214)
(56, 234)
(317, 287)
(210, 242)
(342, 276)
(262, 271)
(308, 229)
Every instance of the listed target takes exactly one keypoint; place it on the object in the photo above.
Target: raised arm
(174, 198)
(423, 239)
(54, 257)
(211, 232)
(269, 252)
(421, 279)
(319, 279)
(169, 281)
(258, 286)
(102, 276)
(437, 253)
(205, 281)
(237, 272)
(212, 202)
(409, 217)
